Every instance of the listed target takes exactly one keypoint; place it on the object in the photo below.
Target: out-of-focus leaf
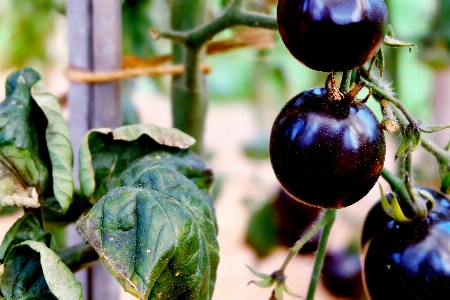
(136, 23)
(262, 230)
(33, 271)
(156, 235)
(436, 43)
(106, 153)
(24, 229)
(26, 27)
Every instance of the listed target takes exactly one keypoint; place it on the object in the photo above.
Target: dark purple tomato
(332, 35)
(326, 153)
(408, 260)
(341, 274)
(294, 220)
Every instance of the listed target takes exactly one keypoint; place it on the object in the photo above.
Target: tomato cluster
(327, 150)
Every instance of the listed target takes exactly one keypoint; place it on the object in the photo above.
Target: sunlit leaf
(156, 235)
(106, 153)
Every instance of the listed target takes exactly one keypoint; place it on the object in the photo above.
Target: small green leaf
(379, 61)
(106, 153)
(33, 271)
(395, 43)
(157, 235)
(259, 274)
(410, 142)
(265, 283)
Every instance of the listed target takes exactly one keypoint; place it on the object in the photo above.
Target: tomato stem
(329, 218)
(346, 81)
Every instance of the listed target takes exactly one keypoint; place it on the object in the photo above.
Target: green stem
(325, 219)
(189, 96)
(408, 167)
(399, 188)
(330, 215)
(346, 81)
(372, 82)
(441, 155)
(232, 16)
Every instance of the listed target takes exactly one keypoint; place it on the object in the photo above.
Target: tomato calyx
(347, 97)
(405, 203)
(277, 278)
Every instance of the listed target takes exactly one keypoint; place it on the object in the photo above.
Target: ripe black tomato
(341, 274)
(407, 260)
(332, 35)
(326, 153)
(295, 219)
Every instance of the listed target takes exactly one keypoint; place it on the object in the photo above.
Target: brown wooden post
(95, 36)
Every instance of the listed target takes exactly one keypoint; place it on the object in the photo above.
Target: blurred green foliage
(25, 30)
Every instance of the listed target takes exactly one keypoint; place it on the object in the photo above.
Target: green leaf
(380, 62)
(58, 145)
(410, 142)
(23, 171)
(35, 152)
(25, 228)
(157, 235)
(106, 153)
(395, 43)
(33, 271)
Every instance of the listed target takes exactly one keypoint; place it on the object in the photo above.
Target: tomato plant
(329, 35)
(143, 205)
(317, 142)
(407, 260)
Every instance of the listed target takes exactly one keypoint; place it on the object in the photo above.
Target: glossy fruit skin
(326, 153)
(294, 220)
(332, 35)
(341, 274)
(408, 260)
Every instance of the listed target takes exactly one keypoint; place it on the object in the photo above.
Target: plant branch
(326, 218)
(376, 85)
(232, 16)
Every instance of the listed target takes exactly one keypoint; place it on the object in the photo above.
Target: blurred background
(247, 87)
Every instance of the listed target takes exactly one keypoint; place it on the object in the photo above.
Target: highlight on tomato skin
(331, 35)
(407, 260)
(325, 153)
